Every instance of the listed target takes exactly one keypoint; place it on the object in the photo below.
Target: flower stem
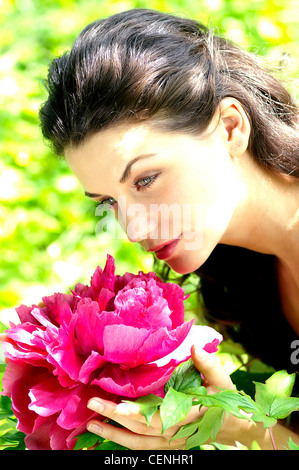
(272, 439)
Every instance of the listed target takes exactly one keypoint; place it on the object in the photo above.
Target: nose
(139, 224)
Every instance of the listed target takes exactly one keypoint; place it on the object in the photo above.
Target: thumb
(211, 368)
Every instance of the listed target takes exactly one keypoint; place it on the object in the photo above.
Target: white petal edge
(199, 335)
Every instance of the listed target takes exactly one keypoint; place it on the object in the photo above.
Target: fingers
(133, 441)
(211, 368)
(123, 436)
(125, 414)
(136, 434)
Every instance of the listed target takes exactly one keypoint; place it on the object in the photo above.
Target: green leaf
(238, 446)
(244, 381)
(6, 425)
(280, 384)
(148, 405)
(274, 395)
(185, 377)
(86, 440)
(174, 408)
(235, 402)
(12, 440)
(5, 407)
(282, 407)
(208, 427)
(202, 429)
(292, 445)
(187, 430)
(255, 446)
(110, 445)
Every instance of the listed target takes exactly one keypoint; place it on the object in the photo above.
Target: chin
(181, 266)
(189, 261)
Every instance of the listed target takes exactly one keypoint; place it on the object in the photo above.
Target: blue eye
(142, 184)
(109, 201)
(145, 182)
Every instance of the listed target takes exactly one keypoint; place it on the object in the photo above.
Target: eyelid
(152, 175)
(155, 176)
(102, 201)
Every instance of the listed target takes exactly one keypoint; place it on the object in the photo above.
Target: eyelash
(142, 188)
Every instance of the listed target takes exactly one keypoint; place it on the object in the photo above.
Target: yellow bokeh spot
(269, 30)
(22, 159)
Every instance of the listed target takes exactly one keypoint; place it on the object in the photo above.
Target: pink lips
(165, 250)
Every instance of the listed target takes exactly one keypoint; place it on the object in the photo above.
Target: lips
(166, 249)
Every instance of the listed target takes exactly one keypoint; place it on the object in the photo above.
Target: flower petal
(139, 381)
(122, 343)
(48, 397)
(204, 336)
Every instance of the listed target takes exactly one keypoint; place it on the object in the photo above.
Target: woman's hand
(136, 434)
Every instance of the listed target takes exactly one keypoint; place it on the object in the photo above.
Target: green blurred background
(47, 226)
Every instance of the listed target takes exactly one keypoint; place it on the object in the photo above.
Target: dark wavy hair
(146, 65)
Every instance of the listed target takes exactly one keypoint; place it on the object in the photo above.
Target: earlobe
(236, 126)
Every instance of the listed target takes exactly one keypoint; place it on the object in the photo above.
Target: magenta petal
(161, 343)
(65, 353)
(39, 438)
(92, 363)
(103, 279)
(81, 290)
(19, 394)
(13, 372)
(139, 381)
(87, 325)
(213, 346)
(25, 316)
(90, 325)
(175, 295)
(29, 355)
(48, 397)
(104, 298)
(23, 334)
(58, 437)
(60, 306)
(143, 306)
(122, 343)
(203, 336)
(75, 412)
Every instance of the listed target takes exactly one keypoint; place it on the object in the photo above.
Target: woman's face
(169, 189)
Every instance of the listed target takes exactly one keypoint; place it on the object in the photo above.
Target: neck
(267, 218)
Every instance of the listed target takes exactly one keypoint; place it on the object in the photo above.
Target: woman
(152, 109)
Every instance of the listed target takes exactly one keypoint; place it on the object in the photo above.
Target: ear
(236, 126)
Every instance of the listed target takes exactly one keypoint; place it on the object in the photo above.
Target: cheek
(215, 192)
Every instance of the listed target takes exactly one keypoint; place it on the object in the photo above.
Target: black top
(239, 289)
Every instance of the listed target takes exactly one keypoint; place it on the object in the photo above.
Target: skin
(232, 200)
(197, 172)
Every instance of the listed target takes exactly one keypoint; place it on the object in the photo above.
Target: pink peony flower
(121, 336)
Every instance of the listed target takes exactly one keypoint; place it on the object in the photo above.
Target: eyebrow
(126, 172)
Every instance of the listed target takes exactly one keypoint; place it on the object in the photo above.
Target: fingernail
(95, 405)
(200, 353)
(94, 428)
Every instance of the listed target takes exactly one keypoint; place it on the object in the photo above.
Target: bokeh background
(47, 226)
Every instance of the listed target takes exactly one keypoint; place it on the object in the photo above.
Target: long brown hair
(147, 65)
(143, 64)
